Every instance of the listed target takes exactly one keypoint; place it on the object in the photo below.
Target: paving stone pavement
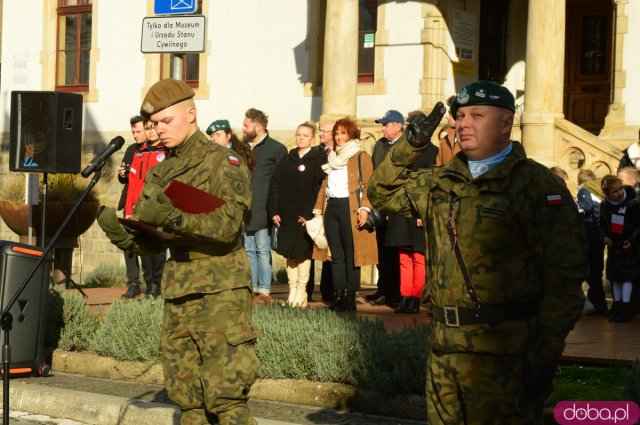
(266, 412)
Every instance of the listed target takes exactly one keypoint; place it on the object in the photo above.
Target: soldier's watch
(174, 225)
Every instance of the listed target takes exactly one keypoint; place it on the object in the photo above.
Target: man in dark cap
(506, 256)
(207, 337)
(388, 260)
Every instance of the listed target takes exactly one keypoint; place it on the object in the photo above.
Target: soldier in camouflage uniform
(506, 255)
(207, 336)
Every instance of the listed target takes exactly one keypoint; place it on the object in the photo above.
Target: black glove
(420, 128)
(537, 378)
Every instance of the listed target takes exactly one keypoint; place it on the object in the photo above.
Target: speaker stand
(68, 281)
(6, 319)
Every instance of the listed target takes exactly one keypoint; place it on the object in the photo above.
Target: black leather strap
(456, 316)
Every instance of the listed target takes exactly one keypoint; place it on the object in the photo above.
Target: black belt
(453, 316)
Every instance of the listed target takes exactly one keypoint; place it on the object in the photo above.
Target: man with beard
(256, 239)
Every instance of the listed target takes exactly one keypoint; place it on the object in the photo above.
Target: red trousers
(412, 273)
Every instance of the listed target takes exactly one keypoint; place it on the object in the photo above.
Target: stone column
(340, 69)
(544, 78)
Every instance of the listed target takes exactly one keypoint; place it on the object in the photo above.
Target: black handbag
(374, 218)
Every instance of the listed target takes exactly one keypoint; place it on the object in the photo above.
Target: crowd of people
(498, 237)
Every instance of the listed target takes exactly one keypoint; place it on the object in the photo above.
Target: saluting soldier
(506, 254)
(207, 336)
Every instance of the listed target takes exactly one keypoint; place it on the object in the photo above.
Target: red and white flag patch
(617, 223)
(233, 160)
(554, 199)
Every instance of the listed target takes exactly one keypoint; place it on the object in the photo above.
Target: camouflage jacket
(215, 260)
(521, 239)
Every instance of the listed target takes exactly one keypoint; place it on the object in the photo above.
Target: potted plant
(63, 191)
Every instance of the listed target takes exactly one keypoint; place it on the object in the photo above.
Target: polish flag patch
(617, 223)
(554, 199)
(233, 160)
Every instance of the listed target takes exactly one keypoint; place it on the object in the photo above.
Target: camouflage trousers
(208, 356)
(467, 388)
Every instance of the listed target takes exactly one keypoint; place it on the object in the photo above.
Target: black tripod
(6, 319)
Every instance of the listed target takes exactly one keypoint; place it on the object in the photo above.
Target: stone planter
(16, 216)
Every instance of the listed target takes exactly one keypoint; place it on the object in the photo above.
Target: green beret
(218, 125)
(483, 93)
(163, 94)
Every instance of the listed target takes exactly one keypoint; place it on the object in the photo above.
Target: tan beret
(163, 94)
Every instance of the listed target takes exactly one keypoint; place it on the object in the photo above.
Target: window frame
(82, 7)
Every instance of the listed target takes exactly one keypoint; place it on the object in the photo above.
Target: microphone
(98, 162)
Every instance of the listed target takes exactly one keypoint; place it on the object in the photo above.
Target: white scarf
(339, 157)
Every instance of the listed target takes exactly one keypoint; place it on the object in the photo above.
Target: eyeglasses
(325, 131)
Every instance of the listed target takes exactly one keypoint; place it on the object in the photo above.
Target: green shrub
(319, 345)
(280, 276)
(79, 324)
(106, 276)
(633, 383)
(130, 331)
(55, 319)
(578, 382)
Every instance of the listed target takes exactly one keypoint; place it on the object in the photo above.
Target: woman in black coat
(292, 193)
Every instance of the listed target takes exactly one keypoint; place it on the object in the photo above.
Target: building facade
(570, 64)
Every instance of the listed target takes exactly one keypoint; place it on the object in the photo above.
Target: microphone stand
(6, 319)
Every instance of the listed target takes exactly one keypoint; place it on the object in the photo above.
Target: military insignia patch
(238, 187)
(553, 200)
(463, 96)
(148, 107)
(233, 160)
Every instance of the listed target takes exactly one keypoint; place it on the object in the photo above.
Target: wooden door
(588, 65)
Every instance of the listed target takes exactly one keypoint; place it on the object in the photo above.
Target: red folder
(191, 200)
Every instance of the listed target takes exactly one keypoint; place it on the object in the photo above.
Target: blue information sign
(172, 7)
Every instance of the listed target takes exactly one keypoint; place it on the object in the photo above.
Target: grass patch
(578, 382)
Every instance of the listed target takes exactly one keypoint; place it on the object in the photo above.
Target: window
(182, 66)
(366, 40)
(73, 45)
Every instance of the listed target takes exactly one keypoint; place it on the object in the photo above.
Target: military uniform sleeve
(559, 245)
(232, 183)
(388, 186)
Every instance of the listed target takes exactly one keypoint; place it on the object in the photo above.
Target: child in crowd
(630, 176)
(589, 198)
(620, 231)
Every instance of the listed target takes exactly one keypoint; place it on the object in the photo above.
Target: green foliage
(280, 276)
(106, 275)
(79, 324)
(61, 187)
(577, 382)
(319, 345)
(633, 383)
(130, 331)
(54, 321)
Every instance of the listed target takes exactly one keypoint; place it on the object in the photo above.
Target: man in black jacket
(130, 258)
(257, 239)
(389, 262)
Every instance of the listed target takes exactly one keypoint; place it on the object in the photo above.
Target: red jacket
(145, 157)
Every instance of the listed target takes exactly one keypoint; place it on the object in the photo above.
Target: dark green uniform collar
(190, 145)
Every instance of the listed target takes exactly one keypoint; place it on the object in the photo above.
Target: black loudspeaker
(46, 132)
(29, 311)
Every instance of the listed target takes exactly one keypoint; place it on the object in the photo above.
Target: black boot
(349, 303)
(402, 307)
(339, 298)
(414, 306)
(625, 313)
(615, 311)
(132, 291)
(153, 290)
